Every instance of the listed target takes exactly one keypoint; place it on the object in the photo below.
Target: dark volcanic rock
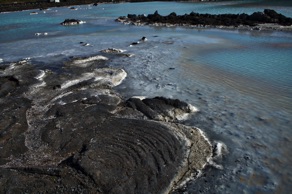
(71, 133)
(8, 84)
(135, 157)
(71, 22)
(13, 125)
(268, 16)
(162, 109)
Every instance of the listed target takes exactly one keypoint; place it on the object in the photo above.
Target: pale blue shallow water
(242, 80)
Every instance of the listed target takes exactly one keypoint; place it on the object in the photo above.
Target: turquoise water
(241, 81)
(264, 57)
(22, 25)
(254, 62)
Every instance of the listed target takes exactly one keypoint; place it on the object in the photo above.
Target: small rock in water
(134, 43)
(86, 44)
(143, 39)
(129, 55)
(73, 8)
(71, 22)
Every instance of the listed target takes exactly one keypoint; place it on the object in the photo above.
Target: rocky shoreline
(9, 7)
(20, 6)
(68, 131)
(266, 20)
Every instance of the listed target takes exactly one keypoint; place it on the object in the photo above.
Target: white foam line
(99, 57)
(67, 84)
(86, 76)
(61, 96)
(39, 85)
(205, 137)
(41, 75)
(98, 78)
(115, 50)
(139, 97)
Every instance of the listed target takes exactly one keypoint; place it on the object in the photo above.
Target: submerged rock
(112, 50)
(116, 51)
(83, 137)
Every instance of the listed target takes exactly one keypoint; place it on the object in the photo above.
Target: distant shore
(10, 6)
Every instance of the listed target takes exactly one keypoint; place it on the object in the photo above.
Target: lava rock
(267, 16)
(71, 22)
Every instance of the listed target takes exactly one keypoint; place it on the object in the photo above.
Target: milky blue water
(241, 80)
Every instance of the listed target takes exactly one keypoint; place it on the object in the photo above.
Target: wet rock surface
(268, 16)
(70, 132)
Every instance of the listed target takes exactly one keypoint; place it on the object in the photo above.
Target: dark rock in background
(267, 16)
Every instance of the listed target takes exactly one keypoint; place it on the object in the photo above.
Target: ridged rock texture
(67, 131)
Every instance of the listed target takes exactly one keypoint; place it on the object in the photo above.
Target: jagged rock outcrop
(267, 16)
